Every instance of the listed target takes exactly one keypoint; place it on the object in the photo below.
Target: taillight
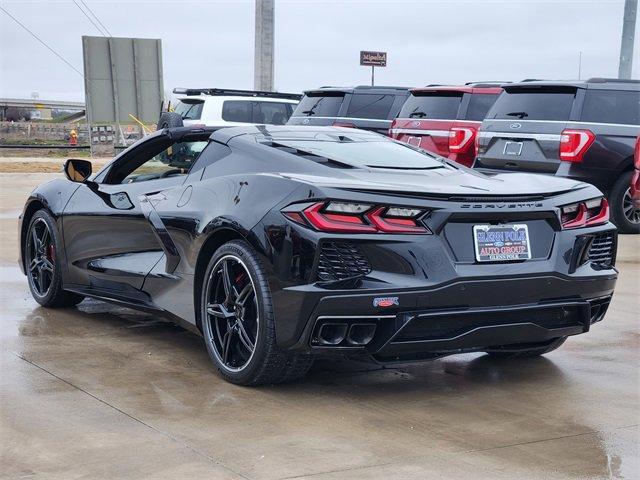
(460, 138)
(585, 214)
(574, 144)
(636, 156)
(476, 144)
(392, 128)
(347, 217)
(344, 124)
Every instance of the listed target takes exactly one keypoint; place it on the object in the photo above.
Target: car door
(110, 242)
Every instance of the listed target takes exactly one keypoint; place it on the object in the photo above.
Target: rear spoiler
(237, 93)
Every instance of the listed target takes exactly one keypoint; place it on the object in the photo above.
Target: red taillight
(460, 138)
(336, 222)
(387, 224)
(585, 214)
(344, 124)
(341, 217)
(392, 128)
(636, 156)
(574, 144)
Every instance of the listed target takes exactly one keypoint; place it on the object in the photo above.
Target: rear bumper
(464, 316)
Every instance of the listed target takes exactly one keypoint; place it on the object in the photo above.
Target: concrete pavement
(104, 392)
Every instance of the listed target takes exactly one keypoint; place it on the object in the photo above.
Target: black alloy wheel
(41, 257)
(238, 321)
(232, 313)
(42, 263)
(630, 211)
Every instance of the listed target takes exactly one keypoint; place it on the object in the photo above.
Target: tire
(526, 350)
(623, 215)
(43, 266)
(243, 320)
(169, 120)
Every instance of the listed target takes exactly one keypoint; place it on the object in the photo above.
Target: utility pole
(264, 45)
(580, 66)
(628, 34)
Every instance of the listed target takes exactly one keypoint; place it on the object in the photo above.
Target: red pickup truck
(445, 119)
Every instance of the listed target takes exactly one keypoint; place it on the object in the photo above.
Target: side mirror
(77, 170)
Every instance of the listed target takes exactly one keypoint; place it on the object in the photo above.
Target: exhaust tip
(361, 333)
(332, 333)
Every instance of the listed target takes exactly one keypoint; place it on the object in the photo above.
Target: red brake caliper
(51, 253)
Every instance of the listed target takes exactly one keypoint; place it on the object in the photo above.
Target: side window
(370, 106)
(272, 113)
(211, 154)
(612, 106)
(161, 162)
(237, 111)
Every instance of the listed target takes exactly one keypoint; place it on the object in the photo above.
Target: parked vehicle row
(582, 130)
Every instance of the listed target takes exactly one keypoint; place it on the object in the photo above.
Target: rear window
(611, 106)
(370, 106)
(380, 154)
(438, 105)
(479, 105)
(249, 111)
(189, 109)
(319, 106)
(534, 104)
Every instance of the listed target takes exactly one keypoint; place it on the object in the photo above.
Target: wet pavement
(104, 392)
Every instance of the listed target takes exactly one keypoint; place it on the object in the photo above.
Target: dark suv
(583, 130)
(368, 108)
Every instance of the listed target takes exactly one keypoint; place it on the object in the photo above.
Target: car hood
(443, 181)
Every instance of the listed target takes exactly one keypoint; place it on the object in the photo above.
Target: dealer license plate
(501, 243)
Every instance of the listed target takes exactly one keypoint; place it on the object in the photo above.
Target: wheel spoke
(226, 346)
(47, 265)
(34, 239)
(244, 337)
(226, 279)
(44, 240)
(35, 263)
(218, 310)
(41, 280)
(243, 296)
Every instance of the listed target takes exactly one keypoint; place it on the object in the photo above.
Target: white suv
(214, 107)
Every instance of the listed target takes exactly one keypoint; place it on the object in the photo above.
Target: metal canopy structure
(123, 78)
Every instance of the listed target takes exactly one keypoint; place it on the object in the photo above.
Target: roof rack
(487, 83)
(379, 87)
(237, 93)
(533, 80)
(611, 80)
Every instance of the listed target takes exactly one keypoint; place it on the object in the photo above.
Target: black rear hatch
(522, 130)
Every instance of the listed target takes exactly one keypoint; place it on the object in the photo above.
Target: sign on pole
(373, 59)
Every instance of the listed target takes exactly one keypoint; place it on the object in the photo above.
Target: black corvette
(279, 244)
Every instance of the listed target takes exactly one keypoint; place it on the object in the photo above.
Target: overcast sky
(210, 43)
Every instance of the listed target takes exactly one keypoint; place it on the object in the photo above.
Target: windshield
(376, 154)
(439, 105)
(547, 103)
(319, 106)
(189, 109)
